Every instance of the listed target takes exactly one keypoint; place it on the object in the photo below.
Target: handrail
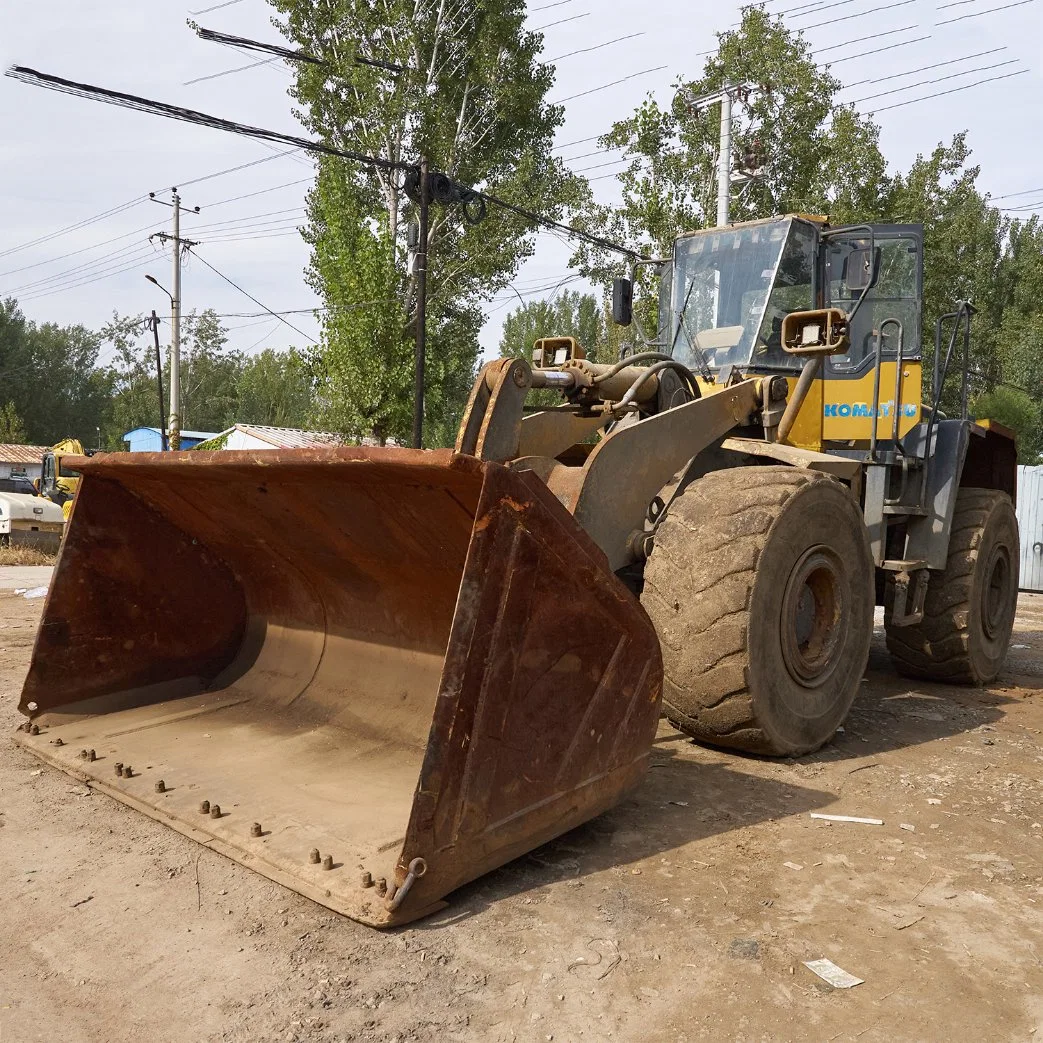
(896, 406)
(964, 313)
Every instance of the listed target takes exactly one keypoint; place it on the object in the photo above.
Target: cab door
(849, 408)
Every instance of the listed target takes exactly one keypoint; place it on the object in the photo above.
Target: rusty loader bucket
(371, 675)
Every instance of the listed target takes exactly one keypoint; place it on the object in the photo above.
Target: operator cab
(726, 292)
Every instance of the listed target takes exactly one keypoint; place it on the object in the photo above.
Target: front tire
(760, 586)
(970, 606)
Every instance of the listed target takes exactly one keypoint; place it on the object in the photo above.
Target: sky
(64, 161)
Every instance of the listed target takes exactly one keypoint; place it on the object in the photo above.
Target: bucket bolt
(215, 810)
(128, 771)
(161, 786)
(367, 879)
(204, 807)
(314, 857)
(255, 830)
(83, 754)
(382, 886)
(119, 767)
(91, 755)
(327, 862)
(59, 741)
(34, 729)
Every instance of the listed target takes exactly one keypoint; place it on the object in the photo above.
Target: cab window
(894, 296)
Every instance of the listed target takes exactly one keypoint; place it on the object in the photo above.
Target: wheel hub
(814, 620)
(995, 594)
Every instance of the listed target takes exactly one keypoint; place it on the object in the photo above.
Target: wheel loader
(375, 674)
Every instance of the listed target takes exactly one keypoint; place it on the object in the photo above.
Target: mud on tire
(760, 586)
(970, 606)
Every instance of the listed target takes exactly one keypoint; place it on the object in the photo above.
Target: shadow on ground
(680, 801)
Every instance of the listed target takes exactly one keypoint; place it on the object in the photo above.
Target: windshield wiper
(704, 366)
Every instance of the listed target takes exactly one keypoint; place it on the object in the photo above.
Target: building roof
(21, 454)
(201, 435)
(287, 437)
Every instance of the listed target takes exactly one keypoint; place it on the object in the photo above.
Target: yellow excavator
(374, 674)
(59, 480)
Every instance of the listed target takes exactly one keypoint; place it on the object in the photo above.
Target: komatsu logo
(863, 409)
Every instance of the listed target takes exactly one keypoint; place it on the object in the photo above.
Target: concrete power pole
(725, 96)
(177, 244)
(724, 163)
(175, 332)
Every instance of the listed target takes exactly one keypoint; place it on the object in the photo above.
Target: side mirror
(861, 268)
(622, 302)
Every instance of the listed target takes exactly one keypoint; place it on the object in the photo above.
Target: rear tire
(760, 586)
(970, 606)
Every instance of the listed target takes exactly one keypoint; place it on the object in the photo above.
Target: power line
(123, 252)
(158, 108)
(937, 79)
(140, 104)
(913, 72)
(605, 86)
(878, 50)
(75, 227)
(547, 7)
(229, 72)
(259, 192)
(863, 14)
(952, 90)
(991, 10)
(550, 25)
(253, 298)
(232, 170)
(596, 47)
(1027, 192)
(216, 7)
(74, 253)
(864, 39)
(814, 10)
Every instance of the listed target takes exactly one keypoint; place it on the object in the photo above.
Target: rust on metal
(204, 807)
(161, 786)
(390, 651)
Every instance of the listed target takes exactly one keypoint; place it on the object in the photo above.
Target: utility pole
(724, 163)
(153, 324)
(175, 332)
(725, 96)
(421, 308)
(178, 244)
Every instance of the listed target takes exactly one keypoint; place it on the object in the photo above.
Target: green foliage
(570, 314)
(471, 99)
(274, 388)
(49, 376)
(218, 387)
(1018, 411)
(819, 156)
(11, 430)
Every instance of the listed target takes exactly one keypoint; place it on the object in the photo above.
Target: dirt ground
(685, 914)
